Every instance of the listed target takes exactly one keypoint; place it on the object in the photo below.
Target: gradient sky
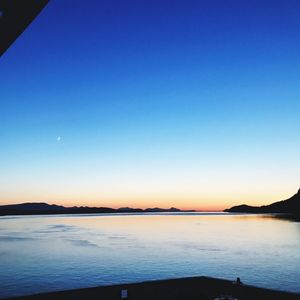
(193, 104)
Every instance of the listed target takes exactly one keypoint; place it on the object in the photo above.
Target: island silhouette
(290, 205)
(41, 208)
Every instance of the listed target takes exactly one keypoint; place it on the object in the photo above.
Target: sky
(192, 104)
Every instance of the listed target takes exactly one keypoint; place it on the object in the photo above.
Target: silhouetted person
(237, 281)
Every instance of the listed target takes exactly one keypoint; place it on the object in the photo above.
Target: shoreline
(190, 288)
(121, 213)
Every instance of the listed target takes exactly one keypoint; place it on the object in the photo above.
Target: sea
(59, 252)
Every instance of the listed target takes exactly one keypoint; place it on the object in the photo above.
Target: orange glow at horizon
(206, 202)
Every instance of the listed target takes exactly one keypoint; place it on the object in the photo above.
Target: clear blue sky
(194, 104)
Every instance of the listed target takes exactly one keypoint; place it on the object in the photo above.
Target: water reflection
(43, 253)
(288, 217)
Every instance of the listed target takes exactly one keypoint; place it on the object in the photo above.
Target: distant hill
(40, 208)
(157, 209)
(291, 205)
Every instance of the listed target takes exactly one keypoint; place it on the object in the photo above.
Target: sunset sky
(192, 104)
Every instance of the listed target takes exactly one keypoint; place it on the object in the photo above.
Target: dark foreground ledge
(195, 288)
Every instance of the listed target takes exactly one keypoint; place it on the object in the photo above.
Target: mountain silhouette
(291, 205)
(41, 208)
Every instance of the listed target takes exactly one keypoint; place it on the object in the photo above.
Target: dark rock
(291, 205)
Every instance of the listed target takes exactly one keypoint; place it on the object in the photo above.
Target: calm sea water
(47, 253)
